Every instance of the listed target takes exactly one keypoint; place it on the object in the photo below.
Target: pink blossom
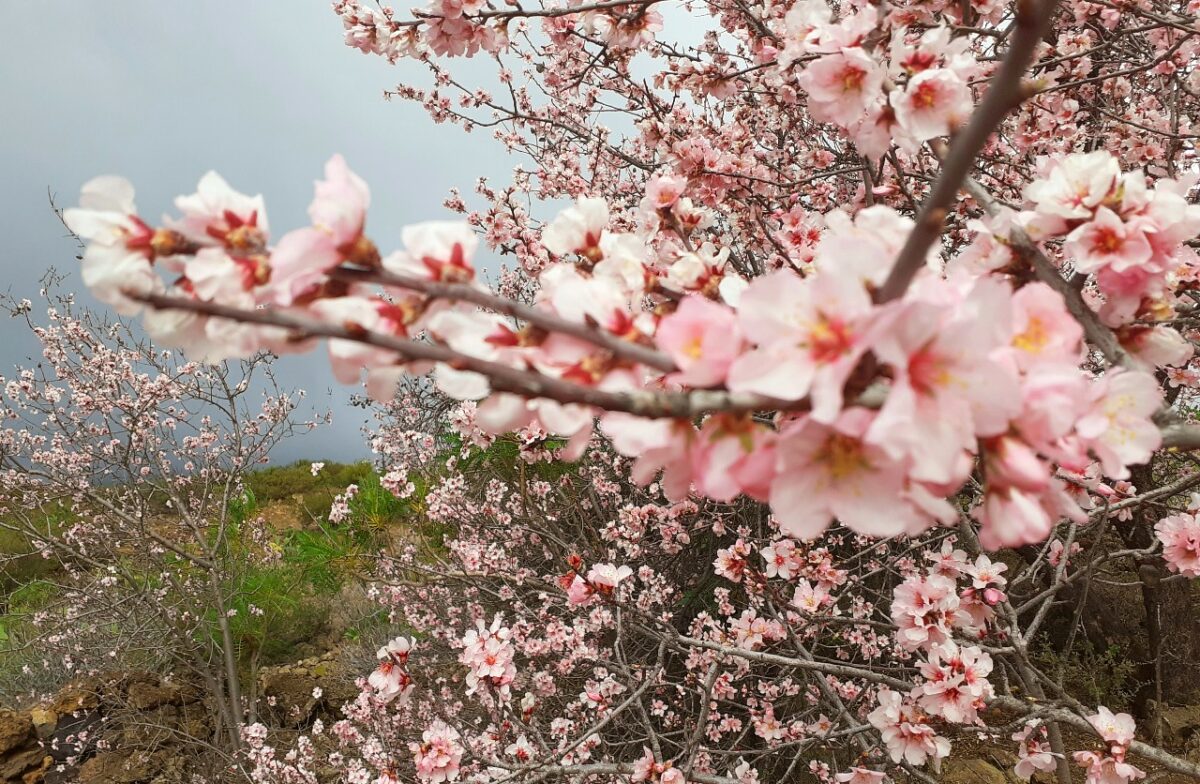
(646, 769)
(1118, 425)
(578, 590)
(435, 250)
(923, 609)
(809, 333)
(578, 229)
(863, 776)
(947, 390)
(934, 103)
(606, 577)
(397, 649)
(1107, 241)
(488, 654)
(120, 247)
(438, 755)
(780, 559)
(1074, 186)
(731, 562)
(300, 263)
(810, 599)
(212, 275)
(734, 455)
(1157, 346)
(1103, 769)
(1034, 753)
(1117, 729)
(863, 247)
(656, 444)
(702, 338)
(390, 680)
(1012, 516)
(664, 190)
(904, 735)
(216, 212)
(1180, 537)
(831, 471)
(339, 206)
(521, 749)
(1043, 330)
(955, 682)
(841, 85)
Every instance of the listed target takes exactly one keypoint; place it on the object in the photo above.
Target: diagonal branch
(1005, 92)
(1097, 334)
(465, 292)
(503, 378)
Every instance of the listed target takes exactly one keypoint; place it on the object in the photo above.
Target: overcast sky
(263, 92)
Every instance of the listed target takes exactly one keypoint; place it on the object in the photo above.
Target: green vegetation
(295, 484)
(288, 588)
(285, 601)
(1094, 677)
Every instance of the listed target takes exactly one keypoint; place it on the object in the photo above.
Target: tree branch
(465, 292)
(1005, 92)
(503, 378)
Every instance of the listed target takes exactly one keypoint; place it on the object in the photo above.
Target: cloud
(263, 92)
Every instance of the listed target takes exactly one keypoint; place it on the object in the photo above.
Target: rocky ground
(143, 729)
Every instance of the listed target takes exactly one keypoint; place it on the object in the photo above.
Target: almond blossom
(765, 309)
(438, 754)
(1034, 752)
(905, 736)
(120, 247)
(934, 103)
(1180, 537)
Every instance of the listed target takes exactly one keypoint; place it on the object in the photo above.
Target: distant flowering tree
(122, 465)
(907, 269)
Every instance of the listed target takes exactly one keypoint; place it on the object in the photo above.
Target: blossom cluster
(1110, 767)
(907, 91)
(969, 367)
(1127, 234)
(391, 680)
(1180, 537)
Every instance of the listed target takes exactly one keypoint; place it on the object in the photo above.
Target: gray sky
(263, 92)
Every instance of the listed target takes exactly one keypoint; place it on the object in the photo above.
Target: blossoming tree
(862, 278)
(121, 465)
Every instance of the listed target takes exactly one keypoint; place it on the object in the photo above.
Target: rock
(38, 774)
(1191, 752)
(292, 692)
(120, 767)
(195, 724)
(45, 721)
(75, 697)
(17, 764)
(1180, 724)
(149, 729)
(14, 730)
(971, 771)
(144, 696)
(174, 770)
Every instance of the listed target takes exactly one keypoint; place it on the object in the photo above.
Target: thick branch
(1164, 758)
(503, 378)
